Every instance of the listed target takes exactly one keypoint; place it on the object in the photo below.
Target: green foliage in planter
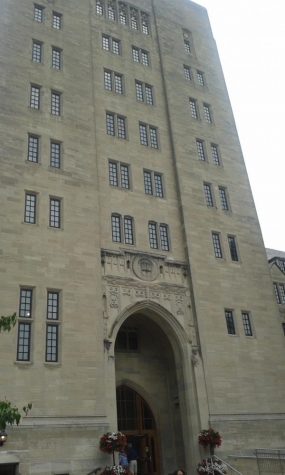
(10, 415)
(7, 322)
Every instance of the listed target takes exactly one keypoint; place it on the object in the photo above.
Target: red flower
(209, 437)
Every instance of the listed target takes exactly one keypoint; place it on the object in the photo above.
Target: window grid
(279, 292)
(24, 341)
(152, 232)
(144, 58)
(55, 212)
(139, 91)
(52, 305)
(108, 80)
(116, 228)
(158, 185)
(33, 148)
(246, 324)
(39, 13)
(35, 97)
(122, 14)
(143, 135)
(52, 343)
(187, 73)
(111, 12)
(136, 55)
(230, 322)
(26, 301)
(125, 176)
(110, 124)
(164, 240)
(223, 198)
(233, 248)
(30, 208)
(145, 24)
(153, 137)
(55, 154)
(121, 126)
(215, 154)
(118, 79)
(208, 195)
(193, 108)
(106, 42)
(187, 47)
(148, 183)
(201, 149)
(128, 230)
(148, 94)
(99, 7)
(56, 58)
(207, 113)
(115, 46)
(37, 52)
(200, 78)
(55, 103)
(56, 20)
(134, 20)
(217, 245)
(113, 174)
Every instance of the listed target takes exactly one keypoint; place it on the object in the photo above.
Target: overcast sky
(250, 36)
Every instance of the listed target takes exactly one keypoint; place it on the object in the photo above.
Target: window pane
(144, 56)
(52, 343)
(55, 103)
(52, 305)
(128, 230)
(55, 154)
(145, 23)
(110, 124)
(37, 52)
(207, 113)
(246, 324)
(164, 241)
(200, 78)
(24, 341)
(153, 137)
(148, 183)
(113, 174)
(143, 134)
(201, 149)
(118, 84)
(56, 20)
(33, 148)
(208, 195)
(30, 208)
(282, 293)
(125, 181)
(193, 108)
(111, 12)
(35, 97)
(115, 46)
(233, 248)
(108, 80)
(116, 228)
(26, 300)
(56, 58)
(139, 91)
(54, 219)
(215, 154)
(106, 42)
(152, 232)
(187, 73)
(121, 123)
(230, 322)
(39, 13)
(136, 57)
(223, 198)
(122, 13)
(217, 245)
(148, 95)
(158, 185)
(99, 7)
(187, 46)
(134, 19)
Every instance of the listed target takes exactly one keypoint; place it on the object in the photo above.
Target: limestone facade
(127, 213)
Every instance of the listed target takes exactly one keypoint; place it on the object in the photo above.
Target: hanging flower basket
(210, 438)
(113, 442)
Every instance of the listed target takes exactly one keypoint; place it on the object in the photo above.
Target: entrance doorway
(136, 420)
(9, 469)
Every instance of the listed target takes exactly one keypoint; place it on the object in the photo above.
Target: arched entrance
(136, 420)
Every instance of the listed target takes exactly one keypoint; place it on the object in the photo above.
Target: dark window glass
(37, 52)
(116, 228)
(30, 208)
(52, 343)
(110, 124)
(152, 232)
(52, 305)
(230, 322)
(55, 212)
(128, 230)
(56, 58)
(24, 341)
(208, 195)
(33, 148)
(55, 154)
(233, 248)
(56, 103)
(56, 20)
(164, 239)
(223, 198)
(148, 183)
(26, 300)
(217, 245)
(246, 324)
(113, 173)
(38, 13)
(35, 97)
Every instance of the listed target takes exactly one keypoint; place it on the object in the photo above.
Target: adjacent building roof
(271, 253)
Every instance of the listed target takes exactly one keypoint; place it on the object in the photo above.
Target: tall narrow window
(139, 91)
(39, 13)
(224, 198)
(229, 315)
(147, 183)
(143, 134)
(152, 233)
(164, 238)
(158, 236)
(33, 148)
(128, 230)
(30, 208)
(193, 108)
(99, 7)
(37, 52)
(134, 18)
(55, 154)
(215, 154)
(246, 324)
(110, 123)
(55, 103)
(121, 127)
(233, 248)
(35, 97)
(55, 213)
(144, 58)
(111, 11)
(24, 324)
(153, 184)
(153, 137)
(187, 47)
(116, 46)
(52, 329)
(106, 41)
(145, 23)
(279, 292)
(217, 245)
(108, 80)
(57, 20)
(148, 94)
(123, 13)
(118, 83)
(187, 73)
(56, 58)
(136, 54)
(208, 194)
(125, 176)
(207, 113)
(158, 185)
(201, 149)
(122, 229)
(119, 174)
(200, 78)
(116, 228)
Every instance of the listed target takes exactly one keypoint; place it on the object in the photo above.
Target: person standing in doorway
(132, 455)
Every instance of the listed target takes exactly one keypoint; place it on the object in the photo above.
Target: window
(33, 148)
(153, 183)
(37, 52)
(201, 149)
(111, 44)
(233, 248)
(134, 18)
(246, 324)
(55, 103)
(207, 113)
(55, 212)
(281, 264)
(148, 135)
(39, 13)
(279, 292)
(215, 154)
(145, 23)
(193, 108)
(283, 326)
(224, 198)
(208, 194)
(122, 229)
(200, 78)
(99, 7)
(123, 15)
(24, 324)
(187, 47)
(217, 245)
(158, 236)
(127, 340)
(229, 315)
(35, 97)
(111, 12)
(55, 154)
(57, 20)
(119, 174)
(30, 208)
(140, 56)
(113, 81)
(144, 92)
(52, 329)
(56, 60)
(187, 73)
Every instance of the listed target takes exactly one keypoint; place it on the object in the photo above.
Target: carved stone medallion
(145, 268)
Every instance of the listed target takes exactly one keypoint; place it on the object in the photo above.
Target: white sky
(250, 36)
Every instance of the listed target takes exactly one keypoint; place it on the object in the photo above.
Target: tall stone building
(130, 245)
